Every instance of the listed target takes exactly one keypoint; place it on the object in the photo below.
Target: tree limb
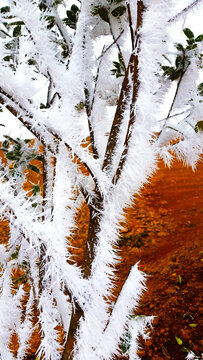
(135, 80)
(37, 134)
(185, 11)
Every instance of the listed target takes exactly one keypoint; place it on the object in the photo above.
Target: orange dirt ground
(164, 230)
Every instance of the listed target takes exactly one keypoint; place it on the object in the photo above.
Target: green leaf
(57, 2)
(125, 345)
(179, 60)
(71, 16)
(176, 74)
(180, 47)
(179, 341)
(117, 64)
(35, 189)
(193, 325)
(12, 155)
(51, 21)
(8, 58)
(190, 41)
(38, 157)
(200, 89)
(102, 11)
(191, 47)
(80, 106)
(188, 33)
(34, 205)
(5, 144)
(179, 279)
(17, 31)
(31, 62)
(118, 11)
(5, 9)
(22, 278)
(10, 45)
(168, 70)
(199, 38)
(15, 254)
(11, 139)
(15, 23)
(72, 25)
(199, 126)
(42, 106)
(75, 9)
(42, 6)
(33, 168)
(26, 141)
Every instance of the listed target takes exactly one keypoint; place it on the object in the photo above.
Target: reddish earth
(164, 230)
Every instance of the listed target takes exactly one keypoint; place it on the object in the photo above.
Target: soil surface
(164, 231)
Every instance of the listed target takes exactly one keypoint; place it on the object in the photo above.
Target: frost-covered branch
(88, 80)
(186, 10)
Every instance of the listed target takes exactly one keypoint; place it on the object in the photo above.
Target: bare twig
(108, 47)
(132, 33)
(174, 115)
(135, 80)
(117, 44)
(88, 108)
(185, 11)
(174, 99)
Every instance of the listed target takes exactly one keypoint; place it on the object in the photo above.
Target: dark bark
(94, 226)
(74, 324)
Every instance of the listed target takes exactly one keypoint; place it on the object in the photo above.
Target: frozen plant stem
(94, 111)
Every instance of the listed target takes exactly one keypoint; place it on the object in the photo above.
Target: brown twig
(133, 73)
(132, 33)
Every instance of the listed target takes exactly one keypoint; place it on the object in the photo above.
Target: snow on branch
(89, 80)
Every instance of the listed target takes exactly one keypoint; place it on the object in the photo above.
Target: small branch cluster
(86, 81)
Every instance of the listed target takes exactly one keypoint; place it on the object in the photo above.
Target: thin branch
(29, 126)
(118, 46)
(174, 99)
(62, 31)
(115, 128)
(49, 93)
(108, 47)
(176, 92)
(16, 113)
(172, 116)
(185, 11)
(132, 33)
(88, 108)
(100, 58)
(74, 154)
(135, 80)
(54, 97)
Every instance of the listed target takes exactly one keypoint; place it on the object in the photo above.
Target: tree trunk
(94, 227)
